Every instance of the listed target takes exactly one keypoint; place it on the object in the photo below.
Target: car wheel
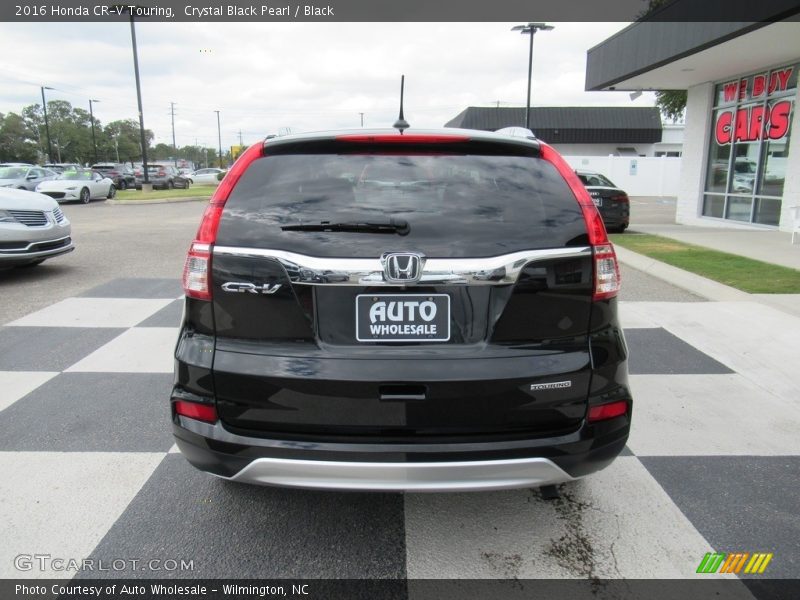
(22, 187)
(112, 191)
(186, 184)
(122, 184)
(85, 196)
(170, 184)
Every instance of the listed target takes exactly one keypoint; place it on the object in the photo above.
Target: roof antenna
(401, 123)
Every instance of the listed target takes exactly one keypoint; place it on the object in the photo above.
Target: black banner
(397, 11)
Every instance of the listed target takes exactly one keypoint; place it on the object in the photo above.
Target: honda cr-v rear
(431, 310)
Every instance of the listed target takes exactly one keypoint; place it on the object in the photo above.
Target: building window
(749, 144)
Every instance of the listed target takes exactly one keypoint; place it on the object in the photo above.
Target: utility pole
(94, 140)
(530, 29)
(362, 118)
(174, 147)
(241, 143)
(219, 139)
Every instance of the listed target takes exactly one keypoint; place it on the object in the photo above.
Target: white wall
(651, 177)
(601, 149)
(699, 101)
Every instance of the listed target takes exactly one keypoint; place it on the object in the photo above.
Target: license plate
(597, 201)
(402, 318)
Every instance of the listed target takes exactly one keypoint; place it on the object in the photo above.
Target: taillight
(606, 269)
(195, 410)
(197, 269)
(161, 174)
(621, 198)
(603, 412)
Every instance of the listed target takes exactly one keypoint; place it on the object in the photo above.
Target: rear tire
(170, 184)
(123, 184)
(112, 191)
(86, 196)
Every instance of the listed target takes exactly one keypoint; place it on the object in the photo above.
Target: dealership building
(740, 161)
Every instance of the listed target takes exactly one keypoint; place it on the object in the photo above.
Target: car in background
(61, 167)
(81, 185)
(16, 164)
(24, 178)
(209, 176)
(162, 176)
(374, 310)
(613, 203)
(32, 229)
(121, 174)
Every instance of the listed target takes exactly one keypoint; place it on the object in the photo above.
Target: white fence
(637, 175)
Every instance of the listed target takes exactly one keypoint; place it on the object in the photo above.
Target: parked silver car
(32, 229)
(24, 178)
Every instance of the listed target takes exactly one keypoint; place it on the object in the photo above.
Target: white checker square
(137, 350)
(710, 415)
(16, 384)
(63, 503)
(94, 312)
(612, 524)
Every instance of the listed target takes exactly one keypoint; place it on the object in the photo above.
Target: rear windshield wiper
(398, 226)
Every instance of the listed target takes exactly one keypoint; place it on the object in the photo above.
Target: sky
(267, 77)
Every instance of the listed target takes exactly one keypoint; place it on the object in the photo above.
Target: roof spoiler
(517, 132)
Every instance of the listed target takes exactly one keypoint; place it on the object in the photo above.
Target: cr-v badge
(236, 286)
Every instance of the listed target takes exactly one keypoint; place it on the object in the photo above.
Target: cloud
(306, 76)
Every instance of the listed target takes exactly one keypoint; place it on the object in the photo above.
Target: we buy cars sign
(761, 120)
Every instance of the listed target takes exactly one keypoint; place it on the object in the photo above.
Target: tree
(18, 142)
(121, 140)
(671, 103)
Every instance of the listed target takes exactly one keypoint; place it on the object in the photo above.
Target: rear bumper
(420, 467)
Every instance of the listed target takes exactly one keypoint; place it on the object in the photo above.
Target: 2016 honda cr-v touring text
(428, 310)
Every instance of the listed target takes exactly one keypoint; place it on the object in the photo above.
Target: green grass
(746, 274)
(202, 191)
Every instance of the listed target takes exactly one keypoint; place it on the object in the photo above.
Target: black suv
(120, 174)
(433, 310)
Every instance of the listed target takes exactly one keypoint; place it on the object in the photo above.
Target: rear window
(595, 179)
(456, 205)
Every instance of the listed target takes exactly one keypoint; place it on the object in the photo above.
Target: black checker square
(169, 316)
(738, 503)
(233, 530)
(50, 348)
(655, 351)
(91, 412)
(136, 287)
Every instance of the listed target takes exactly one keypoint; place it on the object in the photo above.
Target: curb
(157, 201)
(711, 290)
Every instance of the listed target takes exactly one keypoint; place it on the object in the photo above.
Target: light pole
(531, 29)
(94, 140)
(219, 139)
(47, 125)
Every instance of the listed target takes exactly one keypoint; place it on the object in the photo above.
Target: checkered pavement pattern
(89, 468)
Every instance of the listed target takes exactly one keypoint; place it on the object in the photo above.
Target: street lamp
(47, 125)
(219, 139)
(91, 116)
(530, 28)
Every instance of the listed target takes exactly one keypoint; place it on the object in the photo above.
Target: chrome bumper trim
(493, 270)
(409, 477)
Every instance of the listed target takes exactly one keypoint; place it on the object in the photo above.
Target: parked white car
(205, 176)
(32, 229)
(83, 185)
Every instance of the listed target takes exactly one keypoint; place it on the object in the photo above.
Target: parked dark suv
(161, 176)
(428, 311)
(121, 174)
